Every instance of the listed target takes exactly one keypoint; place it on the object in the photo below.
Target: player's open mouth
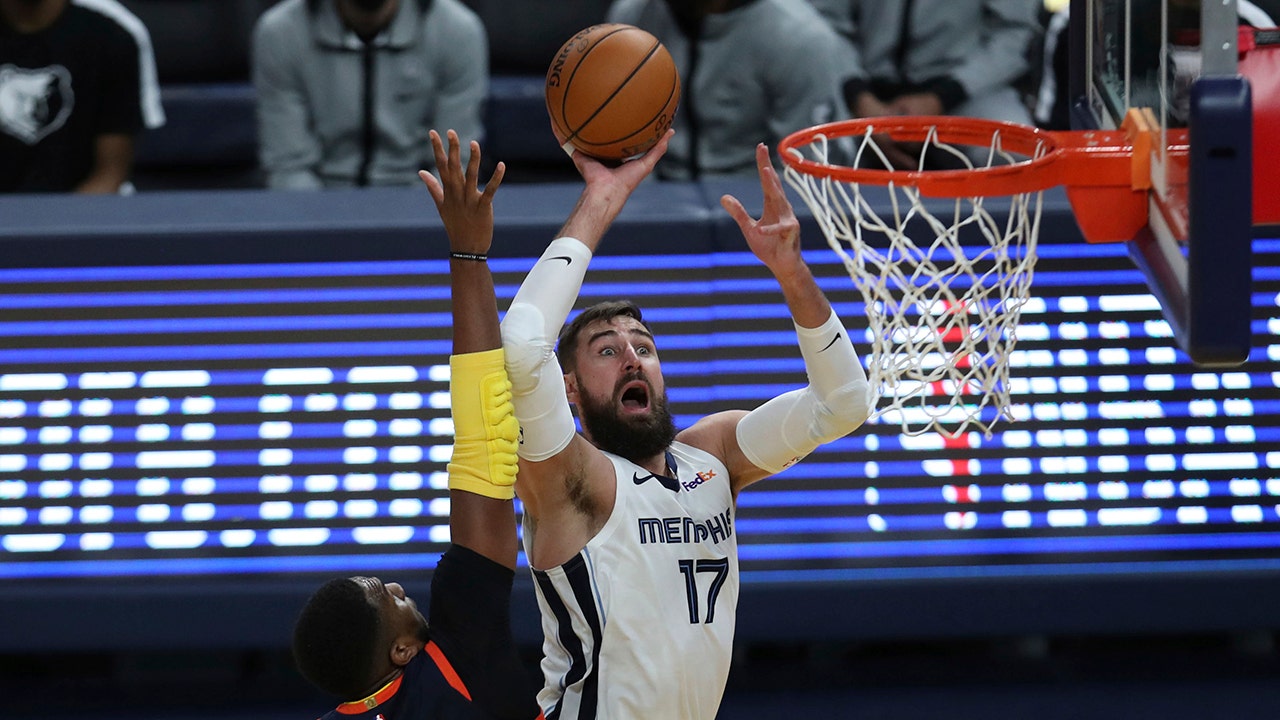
(635, 396)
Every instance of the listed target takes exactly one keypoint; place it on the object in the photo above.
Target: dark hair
(608, 310)
(336, 637)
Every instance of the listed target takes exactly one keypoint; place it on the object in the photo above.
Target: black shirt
(60, 88)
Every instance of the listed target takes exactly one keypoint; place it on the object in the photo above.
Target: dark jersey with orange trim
(423, 690)
(469, 670)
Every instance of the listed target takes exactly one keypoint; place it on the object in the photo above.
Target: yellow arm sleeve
(485, 430)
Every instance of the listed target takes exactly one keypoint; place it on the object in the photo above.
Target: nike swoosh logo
(833, 342)
(567, 260)
(669, 483)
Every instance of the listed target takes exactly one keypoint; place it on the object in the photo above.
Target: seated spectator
(348, 89)
(751, 71)
(936, 57)
(77, 85)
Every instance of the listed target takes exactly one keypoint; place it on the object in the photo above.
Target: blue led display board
(291, 419)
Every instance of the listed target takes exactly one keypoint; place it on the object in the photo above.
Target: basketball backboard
(1175, 63)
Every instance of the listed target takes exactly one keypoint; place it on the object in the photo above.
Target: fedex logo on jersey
(704, 476)
(683, 530)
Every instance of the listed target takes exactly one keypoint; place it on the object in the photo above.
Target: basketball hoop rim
(1044, 167)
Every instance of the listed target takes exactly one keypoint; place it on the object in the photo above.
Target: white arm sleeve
(837, 400)
(529, 331)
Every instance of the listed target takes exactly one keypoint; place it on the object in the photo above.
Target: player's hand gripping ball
(612, 91)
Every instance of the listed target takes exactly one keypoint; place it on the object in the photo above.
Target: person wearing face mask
(349, 89)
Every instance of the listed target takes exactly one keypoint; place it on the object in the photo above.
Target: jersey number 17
(691, 569)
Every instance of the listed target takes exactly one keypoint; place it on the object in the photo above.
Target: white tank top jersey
(639, 624)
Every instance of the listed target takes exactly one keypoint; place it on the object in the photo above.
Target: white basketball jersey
(640, 623)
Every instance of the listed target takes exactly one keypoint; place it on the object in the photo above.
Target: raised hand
(775, 237)
(467, 211)
(628, 174)
(606, 191)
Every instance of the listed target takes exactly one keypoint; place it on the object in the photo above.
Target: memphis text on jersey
(675, 530)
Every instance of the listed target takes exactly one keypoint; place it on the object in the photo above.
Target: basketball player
(629, 526)
(363, 639)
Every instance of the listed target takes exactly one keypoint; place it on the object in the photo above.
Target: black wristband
(468, 256)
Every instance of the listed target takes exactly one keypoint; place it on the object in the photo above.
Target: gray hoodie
(752, 74)
(317, 127)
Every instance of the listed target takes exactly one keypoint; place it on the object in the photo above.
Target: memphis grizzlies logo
(34, 103)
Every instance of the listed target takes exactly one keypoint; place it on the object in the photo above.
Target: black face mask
(369, 6)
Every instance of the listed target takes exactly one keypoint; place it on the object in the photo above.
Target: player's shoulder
(693, 455)
(713, 433)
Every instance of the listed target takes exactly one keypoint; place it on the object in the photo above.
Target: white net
(943, 301)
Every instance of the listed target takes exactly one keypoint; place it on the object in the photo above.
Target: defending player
(362, 639)
(629, 526)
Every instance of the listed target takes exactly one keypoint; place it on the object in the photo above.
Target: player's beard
(634, 437)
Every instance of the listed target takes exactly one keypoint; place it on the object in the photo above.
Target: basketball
(612, 91)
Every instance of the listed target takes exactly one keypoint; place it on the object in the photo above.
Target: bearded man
(629, 526)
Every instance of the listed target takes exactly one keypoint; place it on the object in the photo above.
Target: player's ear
(571, 387)
(404, 649)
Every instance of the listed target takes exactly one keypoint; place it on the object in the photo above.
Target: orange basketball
(612, 91)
